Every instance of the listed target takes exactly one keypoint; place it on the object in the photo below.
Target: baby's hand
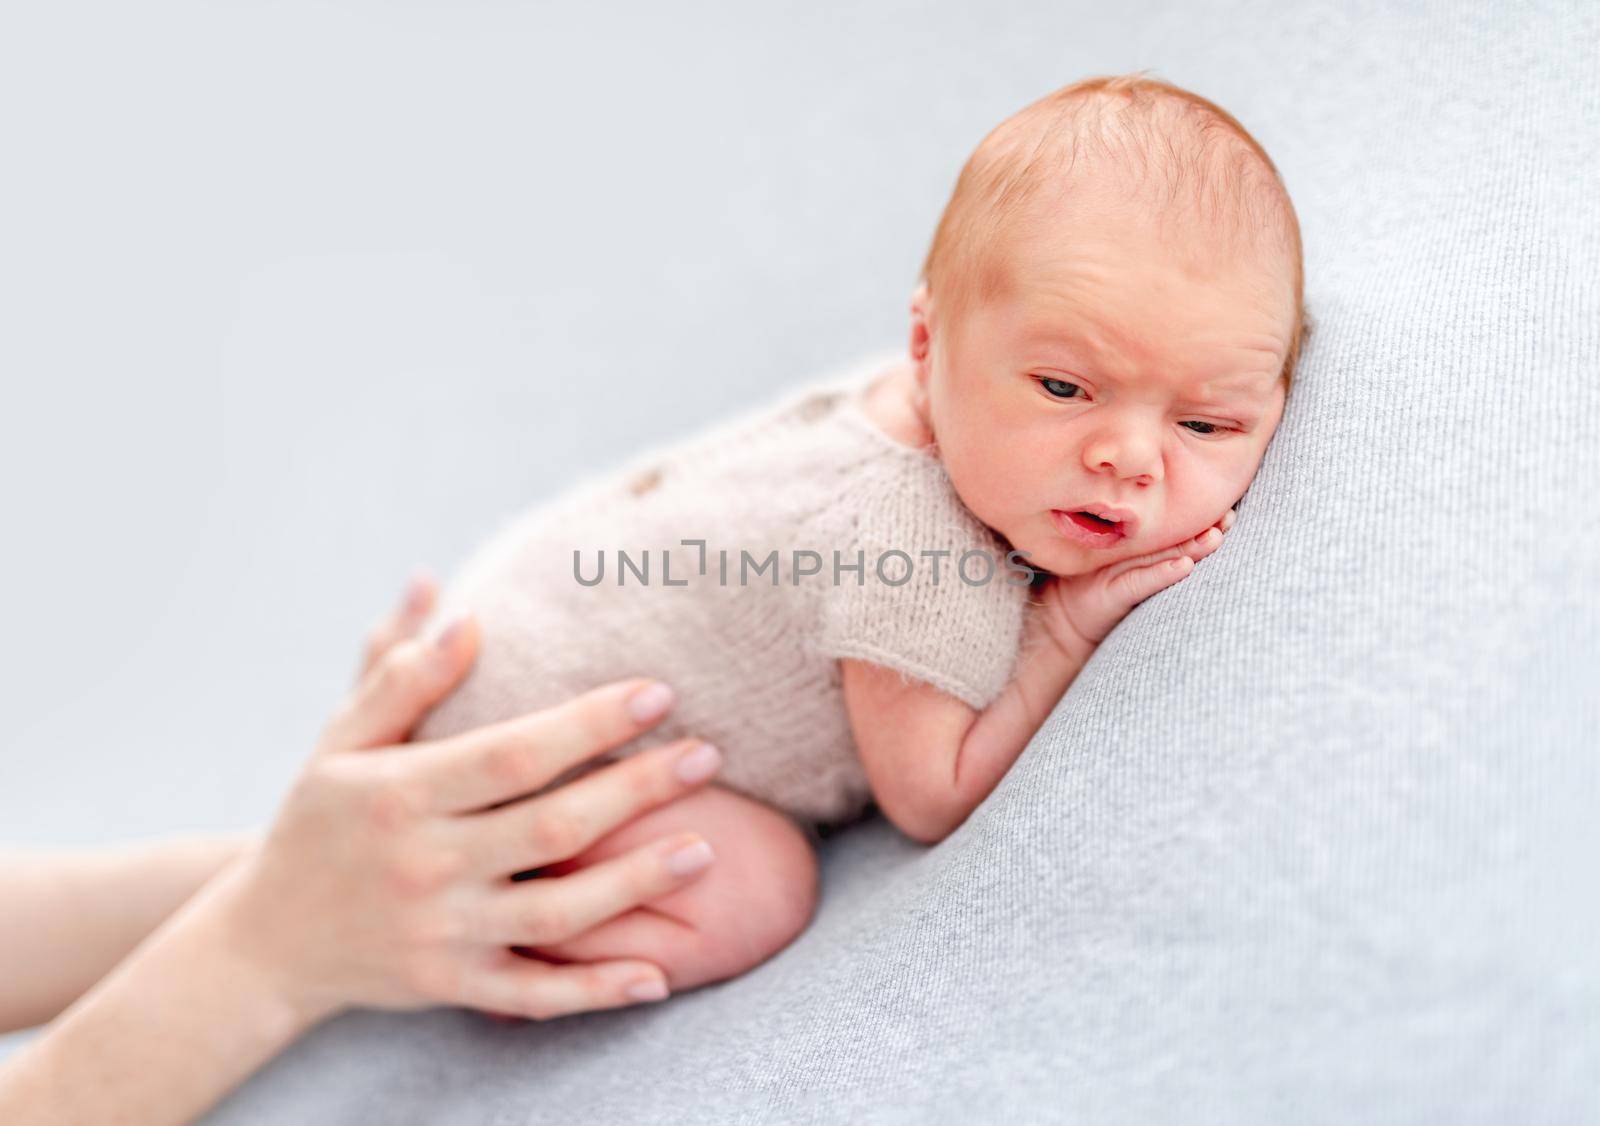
(1080, 611)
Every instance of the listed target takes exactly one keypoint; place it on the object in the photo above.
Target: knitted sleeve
(931, 598)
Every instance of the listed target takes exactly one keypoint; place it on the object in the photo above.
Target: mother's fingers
(507, 760)
(403, 622)
(509, 983)
(552, 909)
(397, 692)
(561, 824)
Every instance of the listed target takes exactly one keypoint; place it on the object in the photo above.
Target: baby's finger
(507, 760)
(409, 679)
(539, 990)
(561, 824)
(552, 909)
(1197, 548)
(1203, 544)
(1228, 518)
(403, 622)
(1133, 587)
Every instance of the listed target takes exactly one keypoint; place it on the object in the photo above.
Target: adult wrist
(292, 1004)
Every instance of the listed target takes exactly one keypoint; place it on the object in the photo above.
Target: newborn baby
(876, 588)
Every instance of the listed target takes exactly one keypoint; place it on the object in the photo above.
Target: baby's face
(1118, 374)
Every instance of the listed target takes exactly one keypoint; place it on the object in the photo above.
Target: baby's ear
(919, 328)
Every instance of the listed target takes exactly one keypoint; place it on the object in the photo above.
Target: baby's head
(1109, 318)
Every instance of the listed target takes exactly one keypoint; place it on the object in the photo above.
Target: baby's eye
(1212, 428)
(1060, 388)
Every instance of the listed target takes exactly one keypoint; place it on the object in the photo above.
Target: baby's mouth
(1090, 522)
(1088, 529)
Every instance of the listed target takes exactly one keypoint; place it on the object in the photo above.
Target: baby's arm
(931, 758)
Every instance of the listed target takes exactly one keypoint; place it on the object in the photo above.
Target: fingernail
(452, 632)
(416, 597)
(690, 859)
(650, 989)
(698, 764)
(650, 702)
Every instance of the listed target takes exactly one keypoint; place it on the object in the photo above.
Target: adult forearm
(71, 916)
(170, 1031)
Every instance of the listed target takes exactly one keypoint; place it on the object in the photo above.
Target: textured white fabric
(749, 640)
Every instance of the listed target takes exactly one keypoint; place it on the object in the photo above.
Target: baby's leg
(758, 894)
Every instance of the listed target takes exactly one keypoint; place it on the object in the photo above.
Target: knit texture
(906, 577)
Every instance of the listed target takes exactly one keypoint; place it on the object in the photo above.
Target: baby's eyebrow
(1230, 388)
(1206, 391)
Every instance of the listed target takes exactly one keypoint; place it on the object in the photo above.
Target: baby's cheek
(1198, 502)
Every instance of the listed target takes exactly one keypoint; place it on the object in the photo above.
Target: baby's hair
(1187, 154)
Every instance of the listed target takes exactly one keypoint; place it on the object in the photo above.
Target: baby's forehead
(1239, 362)
(1104, 239)
(1164, 183)
(1220, 338)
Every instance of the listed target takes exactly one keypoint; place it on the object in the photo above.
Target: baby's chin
(1068, 568)
(1065, 561)
(1051, 553)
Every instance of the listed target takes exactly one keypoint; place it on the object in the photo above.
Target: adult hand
(386, 880)
(402, 622)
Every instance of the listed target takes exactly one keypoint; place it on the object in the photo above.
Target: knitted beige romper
(751, 650)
